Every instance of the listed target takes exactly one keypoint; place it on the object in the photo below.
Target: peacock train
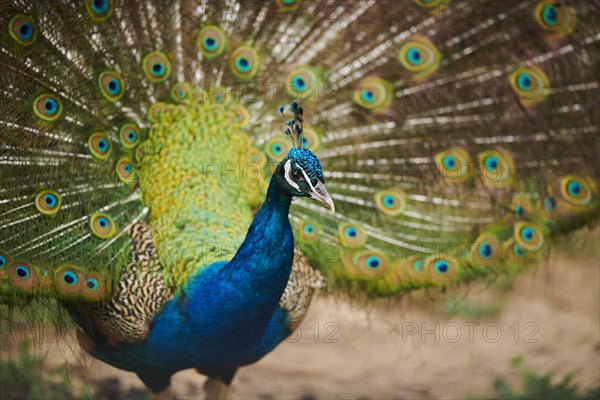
(172, 169)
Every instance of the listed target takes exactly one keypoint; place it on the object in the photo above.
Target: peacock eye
(295, 175)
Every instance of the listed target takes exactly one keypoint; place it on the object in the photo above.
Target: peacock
(163, 163)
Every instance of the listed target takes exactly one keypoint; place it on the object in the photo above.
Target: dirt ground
(413, 351)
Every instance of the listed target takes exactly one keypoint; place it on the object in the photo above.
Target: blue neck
(247, 289)
(269, 232)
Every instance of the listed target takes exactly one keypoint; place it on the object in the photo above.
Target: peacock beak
(319, 193)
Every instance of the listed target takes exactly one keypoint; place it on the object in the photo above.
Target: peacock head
(300, 172)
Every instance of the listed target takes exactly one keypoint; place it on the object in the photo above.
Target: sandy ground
(551, 318)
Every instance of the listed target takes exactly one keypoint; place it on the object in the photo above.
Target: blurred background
(533, 336)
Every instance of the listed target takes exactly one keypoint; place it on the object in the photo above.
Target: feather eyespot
(521, 205)
(438, 270)
(370, 263)
(521, 255)
(22, 30)
(154, 111)
(277, 148)
(103, 226)
(454, 165)
(442, 270)
(576, 190)
(99, 10)
(4, 260)
(413, 269)
(99, 145)
(519, 211)
(289, 5)
(129, 135)
(94, 287)
(22, 272)
(302, 82)
(549, 14)
(449, 162)
(419, 56)
(298, 84)
(391, 201)
(91, 284)
(257, 157)
(549, 203)
(486, 250)
(244, 62)
(530, 84)
(555, 17)
(156, 66)
(311, 139)
(496, 167)
(441, 266)
(308, 231)
(491, 163)
(528, 236)
(524, 81)
(69, 280)
(242, 115)
(351, 235)
(23, 275)
(218, 94)
(211, 41)
(47, 107)
(418, 265)
(112, 86)
(126, 170)
(573, 188)
(517, 250)
(374, 94)
(180, 91)
(48, 202)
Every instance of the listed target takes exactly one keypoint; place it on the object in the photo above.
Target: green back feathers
(200, 185)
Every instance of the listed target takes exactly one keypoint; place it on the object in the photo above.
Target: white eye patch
(288, 169)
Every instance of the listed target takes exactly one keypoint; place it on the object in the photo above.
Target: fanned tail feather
(460, 139)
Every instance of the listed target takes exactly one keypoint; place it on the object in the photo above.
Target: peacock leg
(159, 383)
(217, 386)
